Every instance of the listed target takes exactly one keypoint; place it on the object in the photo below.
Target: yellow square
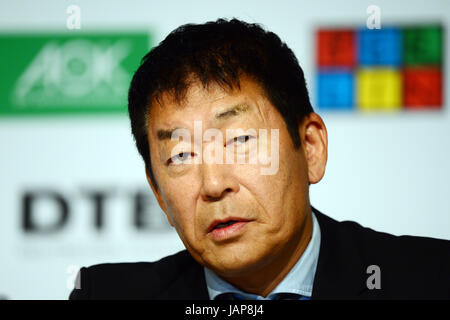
(379, 89)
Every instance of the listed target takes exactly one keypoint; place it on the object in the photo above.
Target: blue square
(335, 90)
(379, 47)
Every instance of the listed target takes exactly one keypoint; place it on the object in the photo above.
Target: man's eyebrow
(165, 134)
(232, 111)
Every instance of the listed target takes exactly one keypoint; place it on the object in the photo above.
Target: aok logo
(68, 73)
(74, 69)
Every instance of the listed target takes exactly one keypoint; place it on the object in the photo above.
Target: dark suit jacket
(410, 268)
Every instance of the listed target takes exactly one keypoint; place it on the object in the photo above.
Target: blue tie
(289, 296)
(276, 296)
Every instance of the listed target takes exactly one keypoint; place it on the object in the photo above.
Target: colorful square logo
(389, 69)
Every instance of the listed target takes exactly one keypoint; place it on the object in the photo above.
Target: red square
(422, 88)
(336, 48)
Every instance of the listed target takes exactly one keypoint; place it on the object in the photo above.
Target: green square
(68, 72)
(423, 45)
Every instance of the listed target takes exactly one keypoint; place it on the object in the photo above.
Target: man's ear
(158, 197)
(315, 142)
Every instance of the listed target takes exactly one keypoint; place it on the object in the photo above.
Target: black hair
(218, 52)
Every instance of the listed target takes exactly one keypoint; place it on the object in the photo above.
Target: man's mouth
(224, 223)
(226, 228)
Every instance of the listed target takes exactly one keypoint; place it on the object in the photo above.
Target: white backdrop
(388, 172)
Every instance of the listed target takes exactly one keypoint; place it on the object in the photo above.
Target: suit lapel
(340, 272)
(189, 285)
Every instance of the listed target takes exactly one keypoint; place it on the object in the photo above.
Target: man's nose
(217, 181)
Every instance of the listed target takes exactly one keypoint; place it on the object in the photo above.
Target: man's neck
(265, 280)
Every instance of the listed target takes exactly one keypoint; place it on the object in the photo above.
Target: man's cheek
(175, 220)
(187, 227)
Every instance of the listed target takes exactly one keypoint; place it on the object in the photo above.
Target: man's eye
(242, 139)
(180, 158)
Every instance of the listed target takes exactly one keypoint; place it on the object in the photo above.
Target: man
(248, 226)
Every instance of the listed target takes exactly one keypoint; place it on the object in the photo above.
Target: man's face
(266, 213)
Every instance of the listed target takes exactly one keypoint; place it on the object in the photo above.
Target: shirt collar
(299, 280)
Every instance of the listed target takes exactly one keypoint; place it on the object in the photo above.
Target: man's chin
(234, 265)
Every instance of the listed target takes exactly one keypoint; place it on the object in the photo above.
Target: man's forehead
(193, 95)
(208, 104)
